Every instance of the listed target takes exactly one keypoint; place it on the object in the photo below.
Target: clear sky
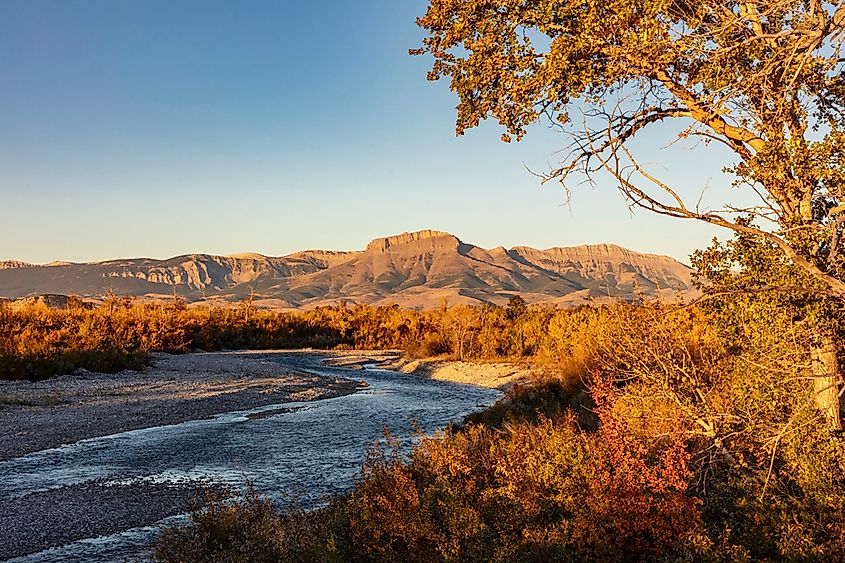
(160, 128)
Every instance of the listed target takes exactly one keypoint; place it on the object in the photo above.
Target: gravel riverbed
(64, 410)
(57, 517)
(35, 417)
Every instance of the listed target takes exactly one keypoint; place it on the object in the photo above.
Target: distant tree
(247, 305)
(762, 78)
(516, 308)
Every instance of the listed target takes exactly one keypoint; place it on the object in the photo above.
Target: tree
(761, 77)
(516, 308)
(247, 305)
(461, 322)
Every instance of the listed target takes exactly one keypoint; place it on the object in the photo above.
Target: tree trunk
(826, 381)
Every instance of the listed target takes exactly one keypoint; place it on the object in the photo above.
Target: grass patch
(50, 400)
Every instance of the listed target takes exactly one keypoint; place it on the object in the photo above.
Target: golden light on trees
(763, 78)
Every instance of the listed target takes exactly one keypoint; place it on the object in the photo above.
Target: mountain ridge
(413, 269)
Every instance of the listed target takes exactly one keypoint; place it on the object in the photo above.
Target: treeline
(37, 341)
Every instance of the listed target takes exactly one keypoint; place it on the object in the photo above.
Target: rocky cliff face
(313, 260)
(202, 271)
(383, 244)
(9, 264)
(603, 261)
(417, 269)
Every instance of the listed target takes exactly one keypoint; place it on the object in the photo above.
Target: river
(305, 450)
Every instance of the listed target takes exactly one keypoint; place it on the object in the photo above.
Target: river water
(305, 450)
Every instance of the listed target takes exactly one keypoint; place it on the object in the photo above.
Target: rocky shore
(64, 410)
(60, 516)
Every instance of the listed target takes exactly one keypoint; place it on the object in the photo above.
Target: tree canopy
(761, 77)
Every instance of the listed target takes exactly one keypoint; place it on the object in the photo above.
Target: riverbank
(493, 375)
(64, 410)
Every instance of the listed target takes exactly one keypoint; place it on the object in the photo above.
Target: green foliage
(547, 397)
(783, 495)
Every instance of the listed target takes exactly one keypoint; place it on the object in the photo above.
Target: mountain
(418, 269)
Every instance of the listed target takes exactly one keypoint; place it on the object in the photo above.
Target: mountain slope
(412, 269)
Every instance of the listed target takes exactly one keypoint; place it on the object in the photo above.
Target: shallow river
(309, 450)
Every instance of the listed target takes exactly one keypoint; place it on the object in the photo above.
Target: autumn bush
(530, 491)
(654, 434)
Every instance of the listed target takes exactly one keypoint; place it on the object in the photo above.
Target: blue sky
(160, 128)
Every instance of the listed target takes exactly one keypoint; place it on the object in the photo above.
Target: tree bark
(826, 381)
